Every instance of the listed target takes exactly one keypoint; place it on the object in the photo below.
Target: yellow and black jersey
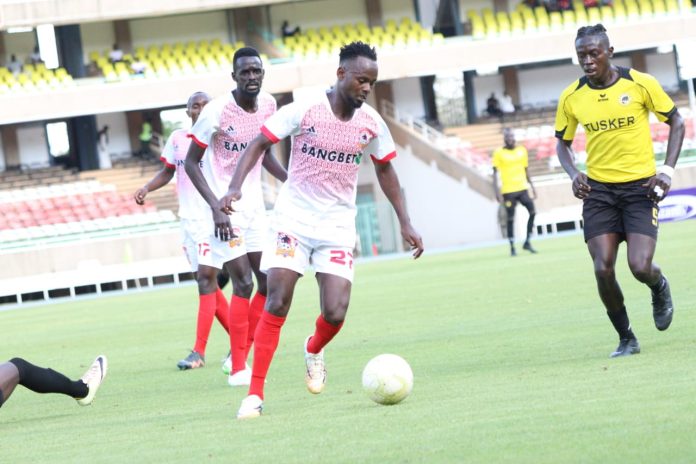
(615, 119)
(512, 163)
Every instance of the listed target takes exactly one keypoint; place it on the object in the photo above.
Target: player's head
(509, 137)
(247, 71)
(195, 105)
(357, 72)
(593, 50)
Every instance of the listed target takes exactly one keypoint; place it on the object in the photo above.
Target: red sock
(206, 313)
(222, 310)
(265, 343)
(323, 334)
(239, 326)
(255, 310)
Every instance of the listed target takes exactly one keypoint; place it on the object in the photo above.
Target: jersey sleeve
(656, 99)
(207, 124)
(496, 158)
(381, 148)
(167, 156)
(284, 122)
(566, 124)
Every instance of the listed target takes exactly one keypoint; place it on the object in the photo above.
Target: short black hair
(243, 52)
(356, 49)
(596, 30)
(195, 95)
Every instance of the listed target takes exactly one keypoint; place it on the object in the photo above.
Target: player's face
(356, 79)
(509, 139)
(248, 74)
(196, 106)
(594, 54)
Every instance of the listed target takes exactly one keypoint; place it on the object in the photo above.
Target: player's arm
(223, 227)
(564, 150)
(529, 181)
(496, 189)
(659, 186)
(159, 180)
(246, 162)
(271, 164)
(389, 183)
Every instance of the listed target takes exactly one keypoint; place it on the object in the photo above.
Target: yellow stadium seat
(607, 14)
(503, 20)
(569, 19)
(620, 15)
(632, 11)
(556, 21)
(581, 18)
(658, 7)
(478, 30)
(646, 10)
(516, 23)
(672, 6)
(530, 23)
(594, 16)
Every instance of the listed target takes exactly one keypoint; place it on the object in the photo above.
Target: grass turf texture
(510, 357)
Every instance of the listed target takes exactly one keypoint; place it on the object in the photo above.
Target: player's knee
(278, 304)
(21, 366)
(604, 272)
(242, 286)
(207, 282)
(641, 269)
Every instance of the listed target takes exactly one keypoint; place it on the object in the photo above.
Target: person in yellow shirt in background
(512, 161)
(622, 188)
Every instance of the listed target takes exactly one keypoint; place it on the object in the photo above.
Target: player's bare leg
(603, 250)
(334, 297)
(9, 378)
(641, 250)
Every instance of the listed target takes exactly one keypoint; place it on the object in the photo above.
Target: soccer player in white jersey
(211, 302)
(220, 135)
(315, 210)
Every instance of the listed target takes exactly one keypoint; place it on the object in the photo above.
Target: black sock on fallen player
(619, 320)
(42, 380)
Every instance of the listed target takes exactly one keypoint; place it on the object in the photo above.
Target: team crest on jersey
(625, 99)
(364, 138)
(285, 245)
(237, 240)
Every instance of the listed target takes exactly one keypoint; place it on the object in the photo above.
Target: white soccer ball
(387, 379)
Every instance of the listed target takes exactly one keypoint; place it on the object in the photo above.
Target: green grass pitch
(510, 357)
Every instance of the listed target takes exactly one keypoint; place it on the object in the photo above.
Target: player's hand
(225, 203)
(581, 189)
(223, 226)
(414, 239)
(499, 198)
(534, 194)
(139, 196)
(658, 186)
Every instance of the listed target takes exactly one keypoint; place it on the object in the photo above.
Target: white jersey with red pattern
(325, 158)
(225, 129)
(174, 156)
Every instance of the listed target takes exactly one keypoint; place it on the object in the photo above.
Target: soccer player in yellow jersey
(621, 189)
(512, 160)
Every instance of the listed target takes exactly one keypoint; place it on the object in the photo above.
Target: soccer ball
(387, 379)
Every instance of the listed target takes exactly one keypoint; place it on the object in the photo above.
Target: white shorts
(189, 245)
(251, 235)
(328, 248)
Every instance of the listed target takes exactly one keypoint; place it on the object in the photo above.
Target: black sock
(621, 323)
(657, 287)
(43, 380)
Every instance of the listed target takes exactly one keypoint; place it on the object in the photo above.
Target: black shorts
(620, 208)
(510, 202)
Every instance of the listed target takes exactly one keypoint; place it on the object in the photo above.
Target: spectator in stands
(14, 65)
(103, 148)
(506, 104)
(512, 161)
(17, 371)
(493, 106)
(621, 189)
(287, 31)
(35, 56)
(145, 138)
(116, 54)
(557, 5)
(138, 66)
